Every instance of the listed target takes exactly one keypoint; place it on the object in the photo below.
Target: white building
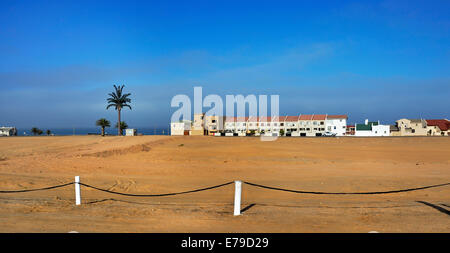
(264, 126)
(336, 124)
(253, 125)
(130, 132)
(290, 125)
(229, 126)
(372, 129)
(241, 126)
(312, 124)
(180, 128)
(269, 126)
(8, 131)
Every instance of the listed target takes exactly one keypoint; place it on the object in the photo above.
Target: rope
(220, 185)
(40, 189)
(155, 195)
(360, 193)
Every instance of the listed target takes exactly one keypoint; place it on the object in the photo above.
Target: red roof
(313, 117)
(253, 119)
(443, 124)
(305, 117)
(256, 119)
(291, 118)
(241, 119)
(264, 119)
(337, 117)
(319, 117)
(230, 119)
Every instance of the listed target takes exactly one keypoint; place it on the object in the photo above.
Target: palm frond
(118, 99)
(110, 106)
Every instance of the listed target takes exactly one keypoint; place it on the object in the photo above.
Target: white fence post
(77, 191)
(237, 197)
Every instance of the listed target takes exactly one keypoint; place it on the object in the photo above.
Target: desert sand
(163, 164)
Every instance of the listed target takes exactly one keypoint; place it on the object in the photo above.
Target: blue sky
(381, 60)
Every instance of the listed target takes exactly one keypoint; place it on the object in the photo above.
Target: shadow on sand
(440, 209)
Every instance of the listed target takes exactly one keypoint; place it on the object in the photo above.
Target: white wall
(380, 130)
(241, 127)
(178, 128)
(337, 126)
(229, 126)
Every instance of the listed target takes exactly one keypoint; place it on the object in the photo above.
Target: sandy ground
(161, 164)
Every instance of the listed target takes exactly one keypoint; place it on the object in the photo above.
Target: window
(321, 122)
(334, 127)
(213, 121)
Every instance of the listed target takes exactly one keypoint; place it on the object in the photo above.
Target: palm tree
(48, 132)
(40, 132)
(34, 130)
(103, 123)
(123, 125)
(119, 101)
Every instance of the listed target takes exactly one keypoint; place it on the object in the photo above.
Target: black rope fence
(156, 195)
(348, 193)
(224, 184)
(39, 189)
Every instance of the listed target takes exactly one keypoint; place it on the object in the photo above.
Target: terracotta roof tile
(337, 117)
(264, 119)
(319, 117)
(305, 117)
(443, 124)
(241, 119)
(253, 118)
(230, 119)
(291, 118)
(268, 119)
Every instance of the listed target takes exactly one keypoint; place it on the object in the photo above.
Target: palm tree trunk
(103, 131)
(119, 125)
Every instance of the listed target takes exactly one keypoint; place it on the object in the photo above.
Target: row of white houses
(307, 125)
(301, 125)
